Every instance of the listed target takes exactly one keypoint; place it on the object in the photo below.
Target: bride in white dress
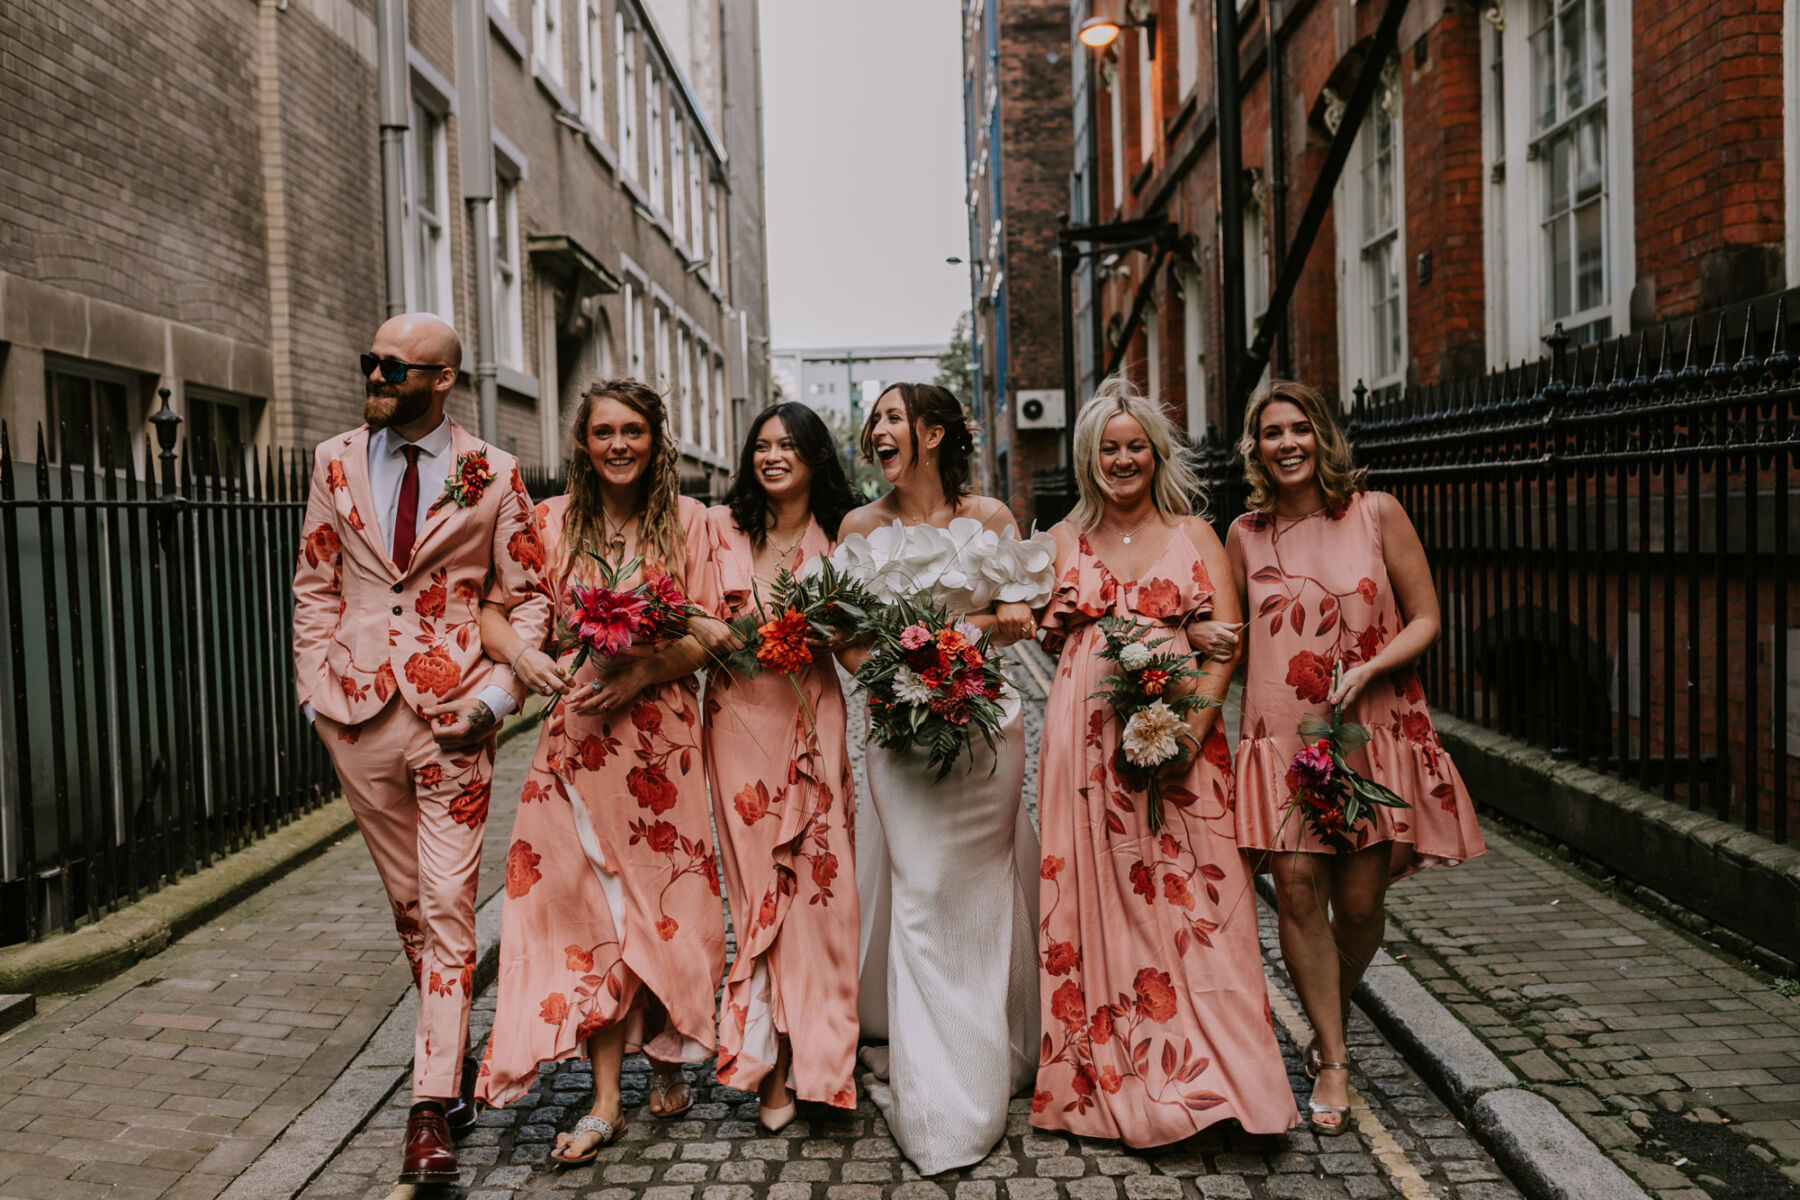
(946, 874)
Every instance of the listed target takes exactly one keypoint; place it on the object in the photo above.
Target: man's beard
(386, 404)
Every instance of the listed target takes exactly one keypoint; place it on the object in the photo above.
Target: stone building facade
(193, 201)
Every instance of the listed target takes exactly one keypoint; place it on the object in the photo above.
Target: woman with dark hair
(1345, 607)
(611, 936)
(949, 971)
(783, 800)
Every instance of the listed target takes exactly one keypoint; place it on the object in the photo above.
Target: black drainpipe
(1284, 358)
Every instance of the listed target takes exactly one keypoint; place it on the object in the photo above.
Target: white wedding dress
(946, 874)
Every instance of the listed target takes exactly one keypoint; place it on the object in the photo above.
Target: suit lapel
(354, 452)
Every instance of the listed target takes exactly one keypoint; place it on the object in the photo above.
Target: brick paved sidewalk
(171, 1079)
(1682, 1062)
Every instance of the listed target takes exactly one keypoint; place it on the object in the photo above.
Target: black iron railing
(148, 716)
(1610, 531)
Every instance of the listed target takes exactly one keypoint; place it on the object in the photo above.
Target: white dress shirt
(387, 470)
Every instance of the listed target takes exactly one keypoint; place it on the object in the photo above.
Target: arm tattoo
(481, 721)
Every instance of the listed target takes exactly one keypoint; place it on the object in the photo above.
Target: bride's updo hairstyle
(929, 404)
(1175, 489)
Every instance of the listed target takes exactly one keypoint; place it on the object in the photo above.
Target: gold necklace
(615, 535)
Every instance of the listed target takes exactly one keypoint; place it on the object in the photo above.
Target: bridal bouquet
(1147, 694)
(1329, 796)
(822, 604)
(932, 683)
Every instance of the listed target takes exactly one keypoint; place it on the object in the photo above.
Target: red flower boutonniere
(467, 482)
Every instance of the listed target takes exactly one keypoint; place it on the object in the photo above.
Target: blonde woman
(1341, 573)
(1145, 936)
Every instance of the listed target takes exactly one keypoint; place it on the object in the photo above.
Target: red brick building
(1596, 163)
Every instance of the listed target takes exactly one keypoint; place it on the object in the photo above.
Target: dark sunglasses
(395, 371)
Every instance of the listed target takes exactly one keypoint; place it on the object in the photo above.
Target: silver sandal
(606, 1130)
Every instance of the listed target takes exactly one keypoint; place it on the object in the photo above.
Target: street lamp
(1100, 32)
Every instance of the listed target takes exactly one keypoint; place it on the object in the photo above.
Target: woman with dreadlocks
(612, 936)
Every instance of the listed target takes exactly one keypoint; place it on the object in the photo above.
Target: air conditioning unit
(1041, 408)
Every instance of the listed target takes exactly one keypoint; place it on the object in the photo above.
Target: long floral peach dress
(1155, 1011)
(784, 807)
(1319, 595)
(612, 888)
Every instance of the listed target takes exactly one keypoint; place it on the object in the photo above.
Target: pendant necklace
(615, 537)
(1126, 536)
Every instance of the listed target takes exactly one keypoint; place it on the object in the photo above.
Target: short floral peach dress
(1155, 1010)
(784, 805)
(612, 909)
(1319, 595)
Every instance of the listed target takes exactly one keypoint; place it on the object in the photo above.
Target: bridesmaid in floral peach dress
(783, 798)
(1335, 578)
(1154, 1004)
(612, 936)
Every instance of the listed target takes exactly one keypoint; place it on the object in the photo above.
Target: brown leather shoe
(429, 1157)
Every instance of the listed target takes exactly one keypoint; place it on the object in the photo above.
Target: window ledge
(602, 150)
(1143, 176)
(509, 33)
(517, 382)
(553, 89)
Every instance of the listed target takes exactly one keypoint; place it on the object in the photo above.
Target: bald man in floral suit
(410, 521)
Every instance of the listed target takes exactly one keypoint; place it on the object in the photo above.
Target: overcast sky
(863, 136)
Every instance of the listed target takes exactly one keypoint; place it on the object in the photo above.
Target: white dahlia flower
(1151, 735)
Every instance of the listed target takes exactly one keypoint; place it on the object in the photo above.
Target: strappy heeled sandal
(1318, 1108)
(664, 1080)
(605, 1130)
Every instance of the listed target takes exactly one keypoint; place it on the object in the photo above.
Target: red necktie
(406, 513)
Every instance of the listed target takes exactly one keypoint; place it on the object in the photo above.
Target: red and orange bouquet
(1329, 796)
(932, 684)
(821, 607)
(1152, 695)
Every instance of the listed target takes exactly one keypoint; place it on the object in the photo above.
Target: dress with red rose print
(784, 807)
(612, 906)
(1155, 1014)
(1319, 595)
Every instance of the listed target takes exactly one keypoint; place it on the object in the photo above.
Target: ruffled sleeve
(731, 550)
(1083, 594)
(702, 581)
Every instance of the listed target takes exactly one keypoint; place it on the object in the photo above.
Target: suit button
(398, 587)
(396, 610)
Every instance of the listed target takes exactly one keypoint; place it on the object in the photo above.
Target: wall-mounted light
(1100, 32)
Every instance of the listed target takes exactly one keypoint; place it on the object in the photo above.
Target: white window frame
(725, 434)
(1187, 47)
(1256, 269)
(678, 188)
(1146, 95)
(634, 329)
(1109, 79)
(546, 37)
(1193, 347)
(696, 175)
(1527, 319)
(593, 76)
(653, 137)
(1362, 245)
(1498, 281)
(509, 282)
(430, 284)
(684, 380)
(625, 42)
(659, 345)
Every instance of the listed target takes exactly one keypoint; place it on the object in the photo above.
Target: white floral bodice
(966, 568)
